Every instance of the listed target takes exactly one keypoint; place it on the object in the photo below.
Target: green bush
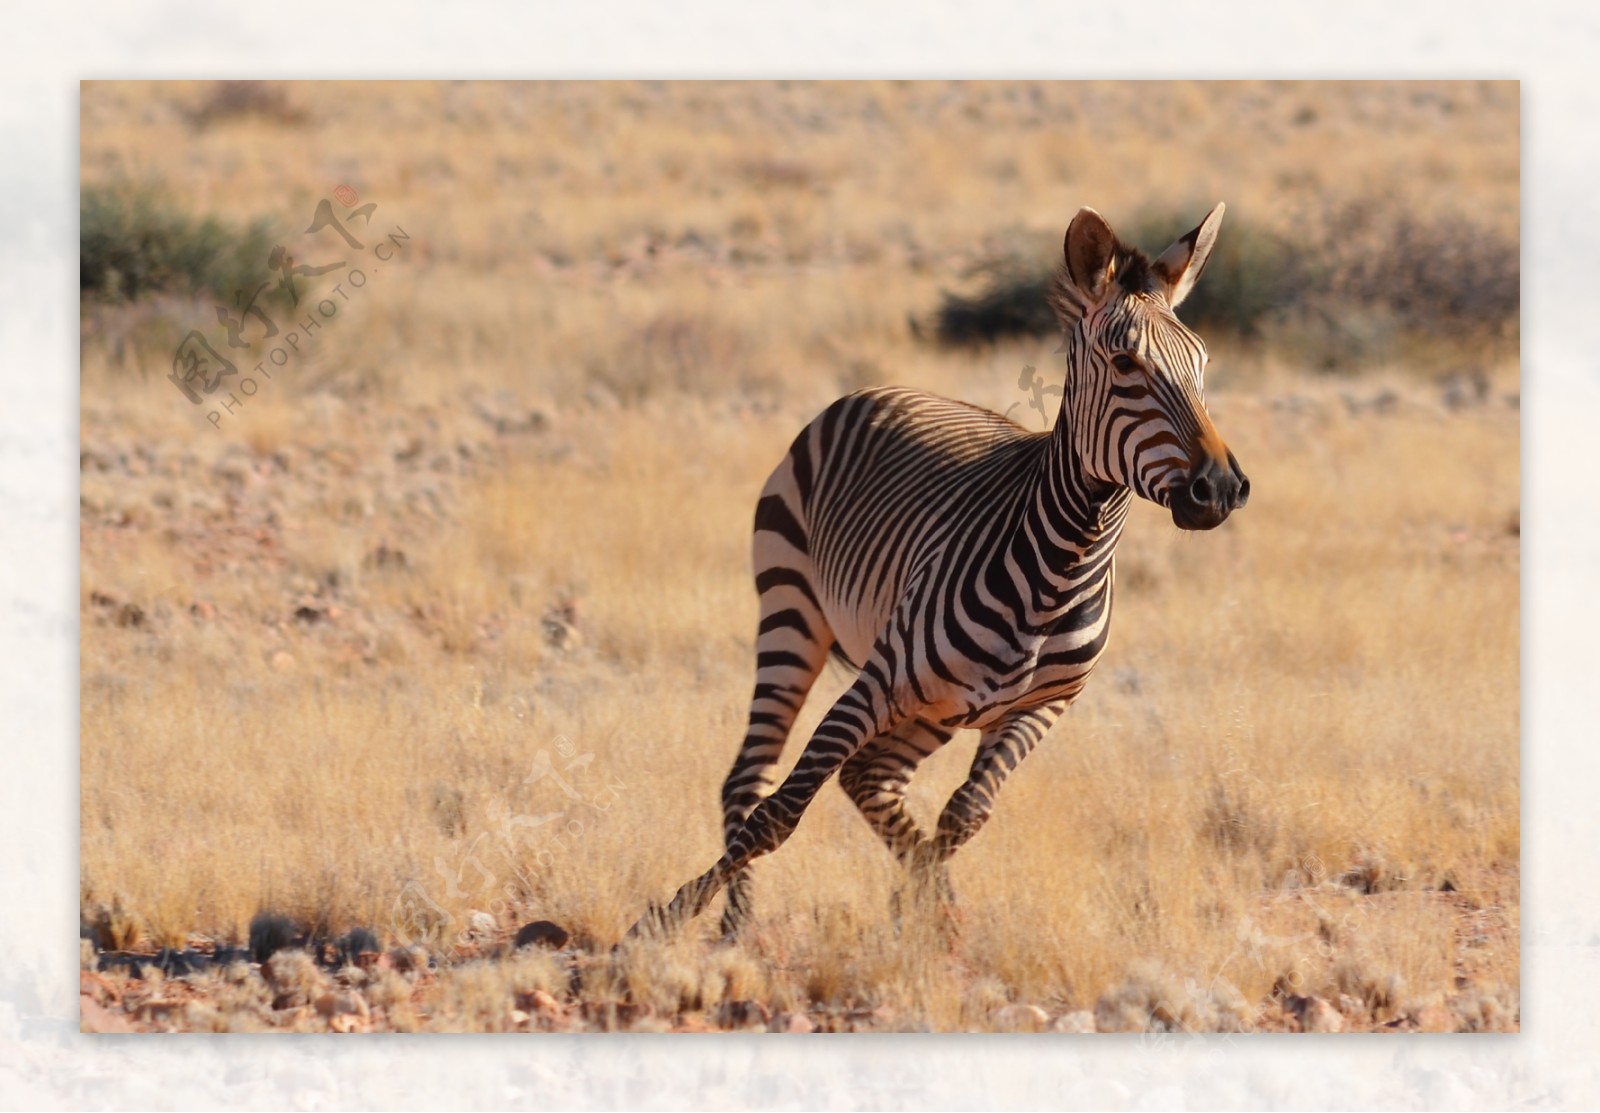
(1434, 270)
(1351, 291)
(1252, 275)
(1012, 304)
(134, 242)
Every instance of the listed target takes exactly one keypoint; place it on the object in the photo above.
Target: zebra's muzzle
(1211, 491)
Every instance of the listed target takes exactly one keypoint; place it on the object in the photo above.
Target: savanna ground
(447, 626)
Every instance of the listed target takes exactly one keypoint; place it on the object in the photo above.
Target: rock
(741, 1014)
(506, 415)
(794, 1023)
(1467, 386)
(1022, 1018)
(481, 922)
(656, 1024)
(689, 1022)
(541, 933)
(408, 960)
(342, 1003)
(1435, 1018)
(560, 624)
(1080, 1021)
(103, 991)
(1314, 1014)
(385, 557)
(161, 1011)
(95, 1017)
(290, 1017)
(282, 661)
(1322, 1017)
(541, 1004)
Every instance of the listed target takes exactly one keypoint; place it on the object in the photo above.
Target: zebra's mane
(1130, 270)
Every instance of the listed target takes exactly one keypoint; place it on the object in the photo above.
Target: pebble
(1079, 1021)
(1022, 1018)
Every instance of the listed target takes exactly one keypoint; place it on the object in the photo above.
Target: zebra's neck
(1069, 529)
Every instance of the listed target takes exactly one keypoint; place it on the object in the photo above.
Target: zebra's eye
(1124, 362)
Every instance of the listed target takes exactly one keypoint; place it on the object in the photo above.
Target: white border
(1550, 46)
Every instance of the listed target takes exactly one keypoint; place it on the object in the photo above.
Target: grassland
(448, 626)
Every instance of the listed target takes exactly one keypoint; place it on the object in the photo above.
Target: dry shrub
(1153, 998)
(294, 977)
(1429, 269)
(243, 1000)
(110, 927)
(680, 353)
(1496, 1007)
(228, 101)
(475, 997)
(1012, 304)
(778, 173)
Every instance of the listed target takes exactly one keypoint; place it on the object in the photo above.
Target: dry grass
(454, 615)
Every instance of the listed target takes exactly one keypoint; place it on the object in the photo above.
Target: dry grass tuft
(1154, 999)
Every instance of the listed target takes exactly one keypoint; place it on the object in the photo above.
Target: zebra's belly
(992, 697)
(944, 686)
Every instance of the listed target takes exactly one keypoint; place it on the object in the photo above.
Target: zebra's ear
(1091, 249)
(1180, 265)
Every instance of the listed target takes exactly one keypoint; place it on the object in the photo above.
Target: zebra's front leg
(1000, 750)
(875, 779)
(862, 712)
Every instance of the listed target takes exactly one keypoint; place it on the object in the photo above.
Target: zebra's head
(1134, 397)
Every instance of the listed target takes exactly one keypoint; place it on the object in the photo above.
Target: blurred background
(634, 239)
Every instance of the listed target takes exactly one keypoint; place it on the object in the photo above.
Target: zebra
(962, 565)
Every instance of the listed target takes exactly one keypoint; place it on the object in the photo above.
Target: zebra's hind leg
(862, 712)
(791, 647)
(875, 779)
(1000, 750)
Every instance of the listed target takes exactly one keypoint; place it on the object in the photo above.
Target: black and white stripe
(963, 565)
